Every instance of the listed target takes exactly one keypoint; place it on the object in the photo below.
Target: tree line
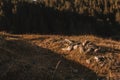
(87, 7)
(60, 16)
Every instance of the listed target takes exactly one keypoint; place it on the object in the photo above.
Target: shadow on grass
(109, 50)
(21, 60)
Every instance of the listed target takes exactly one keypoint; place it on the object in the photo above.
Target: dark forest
(99, 17)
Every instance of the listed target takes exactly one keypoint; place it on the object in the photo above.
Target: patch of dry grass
(34, 56)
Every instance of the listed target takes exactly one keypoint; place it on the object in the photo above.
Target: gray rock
(69, 48)
(85, 43)
(75, 46)
(88, 61)
(81, 49)
(68, 41)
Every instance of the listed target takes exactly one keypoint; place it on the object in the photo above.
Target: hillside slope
(40, 57)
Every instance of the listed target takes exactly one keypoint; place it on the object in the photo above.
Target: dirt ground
(40, 57)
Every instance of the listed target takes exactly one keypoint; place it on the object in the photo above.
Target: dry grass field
(40, 57)
(77, 40)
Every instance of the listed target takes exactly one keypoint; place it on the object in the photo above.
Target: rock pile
(108, 63)
(70, 45)
(84, 47)
(99, 60)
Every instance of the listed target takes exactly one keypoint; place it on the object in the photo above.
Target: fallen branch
(56, 67)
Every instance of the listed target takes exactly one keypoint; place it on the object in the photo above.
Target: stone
(96, 59)
(89, 50)
(81, 49)
(69, 41)
(96, 50)
(99, 58)
(75, 46)
(85, 43)
(88, 61)
(69, 48)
